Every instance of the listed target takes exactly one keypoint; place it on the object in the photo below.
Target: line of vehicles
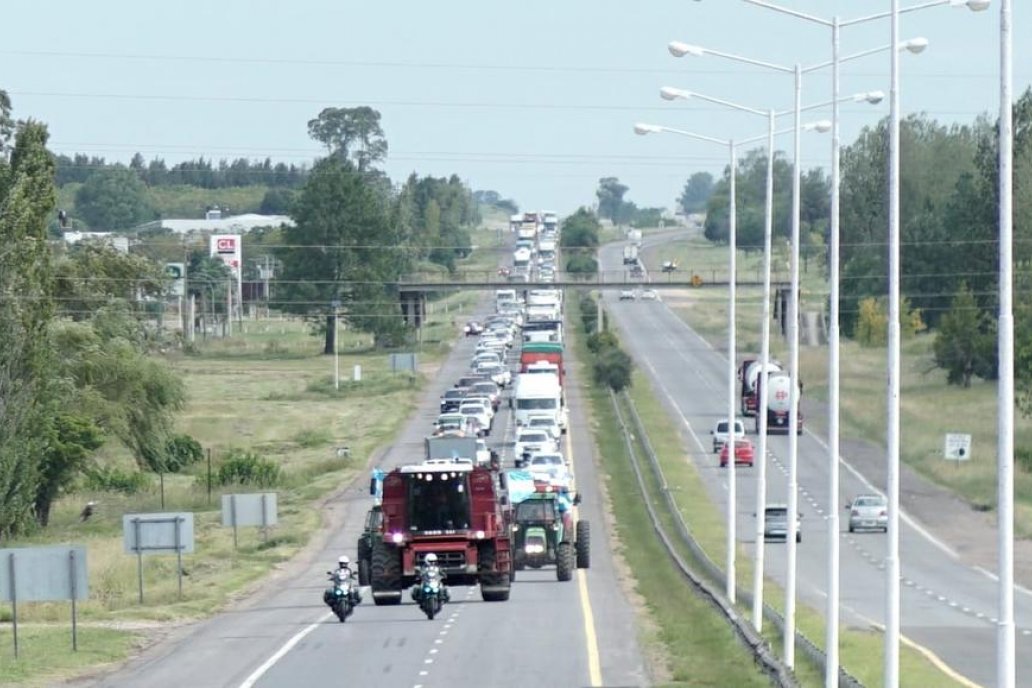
(536, 251)
(464, 514)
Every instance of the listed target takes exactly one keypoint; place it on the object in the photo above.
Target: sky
(534, 99)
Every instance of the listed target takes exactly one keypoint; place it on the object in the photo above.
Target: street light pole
(1005, 670)
(793, 367)
(831, 621)
(761, 402)
(731, 446)
(892, 586)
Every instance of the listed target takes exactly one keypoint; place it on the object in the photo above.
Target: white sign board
(177, 271)
(230, 250)
(43, 574)
(957, 447)
(257, 509)
(158, 533)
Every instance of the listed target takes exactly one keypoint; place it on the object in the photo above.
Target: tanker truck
(749, 374)
(779, 403)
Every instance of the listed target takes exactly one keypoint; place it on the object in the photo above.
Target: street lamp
(681, 49)
(1005, 353)
(670, 93)
(732, 498)
(892, 555)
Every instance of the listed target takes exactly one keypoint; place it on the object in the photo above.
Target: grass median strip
(698, 647)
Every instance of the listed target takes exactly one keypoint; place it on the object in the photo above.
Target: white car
(483, 453)
(547, 423)
(530, 442)
(481, 399)
(628, 295)
(720, 433)
(544, 467)
(479, 414)
(650, 295)
(501, 375)
(486, 357)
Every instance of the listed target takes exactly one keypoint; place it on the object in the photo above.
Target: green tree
(610, 195)
(579, 240)
(71, 440)
(276, 202)
(343, 248)
(128, 394)
(696, 193)
(965, 345)
(27, 198)
(114, 198)
(91, 274)
(351, 134)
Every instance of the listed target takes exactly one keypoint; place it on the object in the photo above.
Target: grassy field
(689, 644)
(930, 408)
(267, 390)
(860, 649)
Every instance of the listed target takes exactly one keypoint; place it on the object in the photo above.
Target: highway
(948, 605)
(581, 633)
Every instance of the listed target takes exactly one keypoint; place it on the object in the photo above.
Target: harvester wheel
(497, 585)
(364, 572)
(564, 561)
(583, 544)
(386, 575)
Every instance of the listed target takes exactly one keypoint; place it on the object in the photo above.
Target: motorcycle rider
(344, 571)
(430, 569)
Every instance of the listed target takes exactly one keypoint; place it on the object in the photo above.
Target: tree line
(949, 234)
(201, 172)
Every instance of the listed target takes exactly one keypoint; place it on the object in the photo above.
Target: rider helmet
(431, 558)
(344, 561)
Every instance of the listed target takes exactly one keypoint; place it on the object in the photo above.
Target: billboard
(230, 250)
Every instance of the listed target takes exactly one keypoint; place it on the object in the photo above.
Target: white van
(538, 394)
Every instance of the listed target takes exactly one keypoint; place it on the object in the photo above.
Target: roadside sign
(177, 271)
(957, 447)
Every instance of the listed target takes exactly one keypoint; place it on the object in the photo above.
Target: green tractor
(544, 533)
(373, 528)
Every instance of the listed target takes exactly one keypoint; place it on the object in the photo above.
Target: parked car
(744, 453)
(720, 433)
(775, 526)
(868, 512)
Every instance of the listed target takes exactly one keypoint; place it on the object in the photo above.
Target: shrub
(247, 468)
(612, 367)
(589, 314)
(111, 479)
(599, 341)
(182, 451)
(1023, 458)
(583, 264)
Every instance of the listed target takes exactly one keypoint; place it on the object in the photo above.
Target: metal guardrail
(715, 574)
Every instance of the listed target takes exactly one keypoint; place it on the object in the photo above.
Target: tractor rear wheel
(564, 561)
(583, 544)
(386, 575)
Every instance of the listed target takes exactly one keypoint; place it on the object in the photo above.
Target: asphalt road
(579, 633)
(948, 607)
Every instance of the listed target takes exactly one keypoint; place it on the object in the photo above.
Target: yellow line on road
(933, 659)
(590, 637)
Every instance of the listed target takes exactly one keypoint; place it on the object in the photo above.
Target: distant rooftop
(227, 225)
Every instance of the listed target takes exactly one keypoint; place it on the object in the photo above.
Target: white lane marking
(433, 650)
(992, 576)
(279, 654)
(438, 641)
(428, 660)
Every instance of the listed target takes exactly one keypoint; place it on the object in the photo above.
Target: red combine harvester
(454, 509)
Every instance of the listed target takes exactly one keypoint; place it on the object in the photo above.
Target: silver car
(868, 512)
(775, 524)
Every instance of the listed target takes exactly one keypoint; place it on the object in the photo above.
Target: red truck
(456, 510)
(549, 352)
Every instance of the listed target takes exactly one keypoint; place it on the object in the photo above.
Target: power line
(402, 64)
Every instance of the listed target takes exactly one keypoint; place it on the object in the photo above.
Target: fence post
(14, 602)
(71, 578)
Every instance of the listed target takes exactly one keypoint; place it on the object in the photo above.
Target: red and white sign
(226, 244)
